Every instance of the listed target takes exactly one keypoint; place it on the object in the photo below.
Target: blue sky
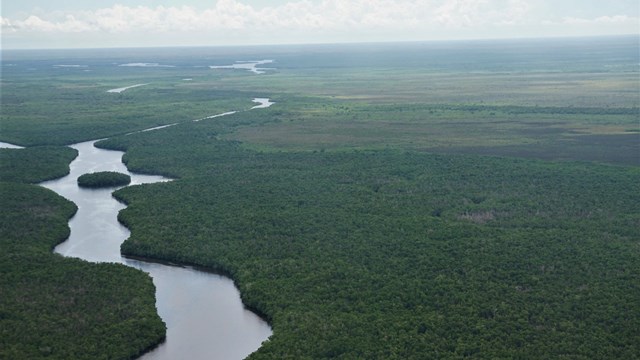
(125, 23)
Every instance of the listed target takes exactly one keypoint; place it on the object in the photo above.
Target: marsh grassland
(399, 201)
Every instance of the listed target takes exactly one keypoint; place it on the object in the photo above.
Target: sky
(143, 23)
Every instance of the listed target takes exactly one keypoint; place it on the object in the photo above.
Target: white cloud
(293, 15)
(473, 13)
(237, 22)
(36, 24)
(619, 19)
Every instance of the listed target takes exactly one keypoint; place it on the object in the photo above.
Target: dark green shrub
(104, 179)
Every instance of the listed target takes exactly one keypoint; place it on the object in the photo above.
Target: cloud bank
(325, 20)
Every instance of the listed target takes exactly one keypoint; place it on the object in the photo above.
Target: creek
(203, 311)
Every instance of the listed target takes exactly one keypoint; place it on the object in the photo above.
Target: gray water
(5, 145)
(204, 314)
(247, 65)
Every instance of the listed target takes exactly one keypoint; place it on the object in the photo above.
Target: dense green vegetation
(35, 164)
(440, 256)
(41, 109)
(103, 179)
(360, 214)
(61, 308)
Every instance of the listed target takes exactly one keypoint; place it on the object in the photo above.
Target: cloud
(36, 24)
(472, 13)
(293, 15)
(237, 22)
(619, 19)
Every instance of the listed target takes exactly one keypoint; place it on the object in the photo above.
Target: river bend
(203, 312)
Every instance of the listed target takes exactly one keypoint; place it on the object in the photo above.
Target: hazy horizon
(329, 44)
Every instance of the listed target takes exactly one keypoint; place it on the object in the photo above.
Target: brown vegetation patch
(478, 217)
(619, 149)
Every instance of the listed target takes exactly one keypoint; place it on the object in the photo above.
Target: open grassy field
(606, 135)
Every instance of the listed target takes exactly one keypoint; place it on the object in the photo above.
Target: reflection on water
(208, 320)
(204, 314)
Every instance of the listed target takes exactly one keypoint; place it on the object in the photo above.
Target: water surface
(5, 145)
(247, 65)
(122, 89)
(204, 314)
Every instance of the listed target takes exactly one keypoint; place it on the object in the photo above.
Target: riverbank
(215, 312)
(90, 309)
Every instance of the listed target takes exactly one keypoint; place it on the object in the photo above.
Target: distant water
(4, 145)
(262, 103)
(119, 90)
(247, 65)
(605, 53)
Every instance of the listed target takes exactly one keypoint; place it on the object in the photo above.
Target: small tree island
(103, 179)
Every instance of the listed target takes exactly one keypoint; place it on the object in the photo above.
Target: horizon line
(373, 42)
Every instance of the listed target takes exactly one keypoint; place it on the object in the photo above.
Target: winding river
(203, 312)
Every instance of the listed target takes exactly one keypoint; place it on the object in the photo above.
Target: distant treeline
(552, 109)
(515, 109)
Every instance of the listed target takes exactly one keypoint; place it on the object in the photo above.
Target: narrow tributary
(204, 314)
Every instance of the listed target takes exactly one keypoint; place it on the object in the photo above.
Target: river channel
(203, 312)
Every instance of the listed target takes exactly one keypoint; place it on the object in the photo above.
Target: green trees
(378, 254)
(35, 164)
(103, 179)
(62, 308)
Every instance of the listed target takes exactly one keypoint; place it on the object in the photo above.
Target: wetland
(456, 199)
